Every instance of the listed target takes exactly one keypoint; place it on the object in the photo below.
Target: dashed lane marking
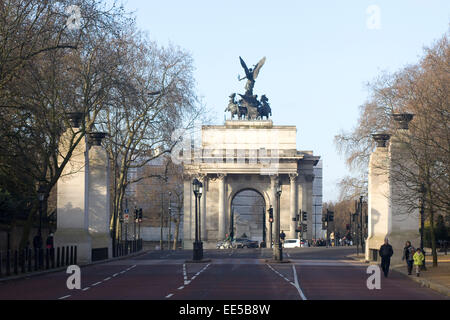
(186, 282)
(65, 297)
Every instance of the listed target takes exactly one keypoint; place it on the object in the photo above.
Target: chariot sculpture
(249, 107)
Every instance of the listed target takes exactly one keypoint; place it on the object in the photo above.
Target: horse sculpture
(233, 107)
(264, 110)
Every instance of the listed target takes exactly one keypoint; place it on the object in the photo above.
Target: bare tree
(420, 89)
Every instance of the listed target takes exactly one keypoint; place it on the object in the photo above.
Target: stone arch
(233, 222)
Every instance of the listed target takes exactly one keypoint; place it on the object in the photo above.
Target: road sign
(125, 217)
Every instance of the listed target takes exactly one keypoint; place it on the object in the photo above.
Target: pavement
(235, 274)
(435, 278)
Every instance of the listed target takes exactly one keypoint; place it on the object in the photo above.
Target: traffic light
(270, 214)
(135, 213)
(330, 216)
(140, 215)
(305, 228)
(305, 216)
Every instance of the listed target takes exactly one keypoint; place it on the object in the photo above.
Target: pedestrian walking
(418, 260)
(386, 253)
(282, 237)
(408, 255)
(49, 241)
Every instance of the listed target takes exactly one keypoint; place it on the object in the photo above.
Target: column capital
(221, 176)
(293, 176)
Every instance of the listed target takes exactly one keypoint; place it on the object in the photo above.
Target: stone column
(379, 192)
(390, 198)
(204, 181)
(274, 179)
(222, 207)
(293, 206)
(98, 192)
(72, 200)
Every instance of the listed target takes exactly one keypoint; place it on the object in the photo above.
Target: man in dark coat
(386, 253)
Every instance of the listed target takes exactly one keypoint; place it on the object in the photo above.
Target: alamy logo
(374, 281)
(74, 281)
(374, 17)
(74, 20)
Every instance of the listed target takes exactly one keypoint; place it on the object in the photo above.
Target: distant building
(317, 202)
(159, 178)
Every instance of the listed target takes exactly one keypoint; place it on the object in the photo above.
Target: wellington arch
(247, 155)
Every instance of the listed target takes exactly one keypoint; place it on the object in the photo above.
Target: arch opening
(248, 213)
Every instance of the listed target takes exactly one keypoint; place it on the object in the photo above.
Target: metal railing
(15, 262)
(126, 247)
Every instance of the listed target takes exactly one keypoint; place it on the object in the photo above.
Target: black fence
(15, 262)
(126, 247)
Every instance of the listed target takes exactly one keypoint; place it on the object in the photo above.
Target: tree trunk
(27, 226)
(177, 232)
(433, 238)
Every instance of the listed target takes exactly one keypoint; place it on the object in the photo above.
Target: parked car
(244, 243)
(292, 243)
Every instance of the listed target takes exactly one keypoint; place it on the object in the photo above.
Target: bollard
(57, 257)
(52, 257)
(16, 269)
(67, 256)
(29, 260)
(75, 255)
(41, 258)
(62, 257)
(8, 262)
(46, 258)
(71, 255)
(23, 253)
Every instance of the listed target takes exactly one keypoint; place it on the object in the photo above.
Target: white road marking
(181, 288)
(169, 295)
(97, 283)
(87, 288)
(297, 285)
(115, 274)
(64, 297)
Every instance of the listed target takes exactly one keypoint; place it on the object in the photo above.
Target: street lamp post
(198, 245)
(277, 250)
(361, 223)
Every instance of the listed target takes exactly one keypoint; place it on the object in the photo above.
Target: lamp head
(196, 185)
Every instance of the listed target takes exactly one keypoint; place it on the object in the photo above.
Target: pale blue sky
(319, 56)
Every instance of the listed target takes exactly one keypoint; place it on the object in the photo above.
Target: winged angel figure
(251, 75)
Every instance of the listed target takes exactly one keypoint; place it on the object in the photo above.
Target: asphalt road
(240, 274)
